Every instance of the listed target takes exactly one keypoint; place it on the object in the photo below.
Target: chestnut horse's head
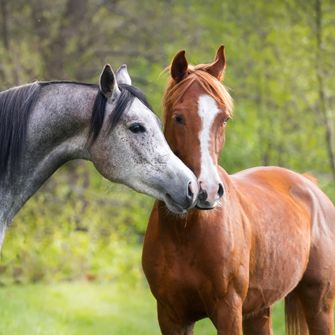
(197, 108)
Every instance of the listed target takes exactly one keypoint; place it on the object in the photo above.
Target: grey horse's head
(131, 149)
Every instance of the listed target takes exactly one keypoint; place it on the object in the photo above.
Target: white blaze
(208, 110)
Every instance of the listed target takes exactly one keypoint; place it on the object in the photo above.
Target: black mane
(16, 105)
(52, 82)
(128, 93)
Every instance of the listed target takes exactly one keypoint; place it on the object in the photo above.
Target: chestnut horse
(270, 236)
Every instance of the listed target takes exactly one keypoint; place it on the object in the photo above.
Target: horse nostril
(220, 190)
(202, 196)
(190, 190)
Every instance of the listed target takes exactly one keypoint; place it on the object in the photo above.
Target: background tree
(281, 70)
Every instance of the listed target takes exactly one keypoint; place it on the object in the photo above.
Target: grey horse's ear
(122, 75)
(107, 81)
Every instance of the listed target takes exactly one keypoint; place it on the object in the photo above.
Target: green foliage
(76, 228)
(79, 226)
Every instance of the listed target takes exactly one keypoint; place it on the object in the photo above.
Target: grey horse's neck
(57, 132)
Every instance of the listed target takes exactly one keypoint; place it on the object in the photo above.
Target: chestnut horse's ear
(217, 68)
(179, 66)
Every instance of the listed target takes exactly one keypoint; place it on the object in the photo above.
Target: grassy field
(86, 309)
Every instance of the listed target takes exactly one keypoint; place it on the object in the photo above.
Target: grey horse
(45, 124)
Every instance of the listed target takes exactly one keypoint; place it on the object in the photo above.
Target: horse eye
(226, 120)
(179, 119)
(137, 128)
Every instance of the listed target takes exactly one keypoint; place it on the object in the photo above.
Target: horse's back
(298, 190)
(295, 197)
(293, 226)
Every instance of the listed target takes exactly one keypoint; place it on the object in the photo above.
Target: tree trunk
(53, 49)
(325, 112)
(4, 23)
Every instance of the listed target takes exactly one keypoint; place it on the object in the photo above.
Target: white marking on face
(208, 110)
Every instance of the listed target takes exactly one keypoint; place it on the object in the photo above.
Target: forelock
(175, 91)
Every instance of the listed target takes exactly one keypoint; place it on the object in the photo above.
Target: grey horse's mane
(16, 105)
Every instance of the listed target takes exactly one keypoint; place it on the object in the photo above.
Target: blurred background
(81, 236)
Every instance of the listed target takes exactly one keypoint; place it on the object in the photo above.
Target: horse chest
(184, 287)
(191, 276)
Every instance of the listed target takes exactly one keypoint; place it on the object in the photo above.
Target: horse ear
(122, 75)
(107, 81)
(217, 68)
(179, 66)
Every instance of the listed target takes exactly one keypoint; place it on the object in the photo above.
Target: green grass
(85, 309)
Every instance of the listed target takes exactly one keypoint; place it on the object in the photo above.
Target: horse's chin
(174, 207)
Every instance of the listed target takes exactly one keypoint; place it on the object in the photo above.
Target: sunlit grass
(85, 309)
(76, 308)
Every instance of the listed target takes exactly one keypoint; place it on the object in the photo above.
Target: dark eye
(179, 119)
(137, 128)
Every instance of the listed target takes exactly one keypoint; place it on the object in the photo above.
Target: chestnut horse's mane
(175, 91)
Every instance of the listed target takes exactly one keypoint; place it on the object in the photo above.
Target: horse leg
(316, 290)
(259, 324)
(169, 324)
(317, 302)
(230, 322)
(227, 316)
